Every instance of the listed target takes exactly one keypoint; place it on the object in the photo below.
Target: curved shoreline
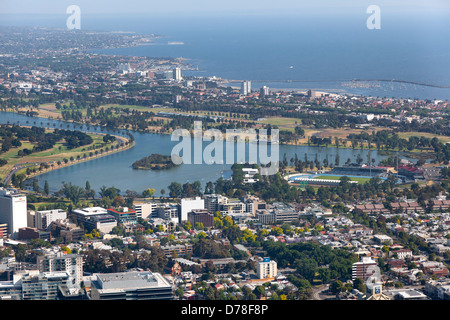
(75, 161)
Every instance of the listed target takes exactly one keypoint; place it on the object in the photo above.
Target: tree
(148, 192)
(72, 192)
(358, 284)
(336, 287)
(307, 268)
(46, 188)
(175, 190)
(259, 291)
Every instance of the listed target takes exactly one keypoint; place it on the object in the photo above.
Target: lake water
(115, 169)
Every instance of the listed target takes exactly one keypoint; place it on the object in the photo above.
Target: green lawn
(360, 180)
(57, 153)
(406, 135)
(280, 121)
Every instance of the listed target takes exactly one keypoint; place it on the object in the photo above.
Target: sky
(216, 6)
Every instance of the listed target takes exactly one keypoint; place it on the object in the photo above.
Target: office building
(13, 210)
(130, 286)
(285, 212)
(189, 204)
(201, 216)
(124, 215)
(266, 269)
(43, 219)
(266, 216)
(95, 218)
(67, 230)
(29, 233)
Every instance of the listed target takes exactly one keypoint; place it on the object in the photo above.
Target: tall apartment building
(246, 87)
(232, 207)
(364, 269)
(213, 202)
(13, 210)
(177, 74)
(264, 91)
(167, 211)
(253, 204)
(144, 210)
(43, 286)
(72, 264)
(266, 269)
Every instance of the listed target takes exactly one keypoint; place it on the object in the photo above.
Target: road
(317, 290)
(16, 168)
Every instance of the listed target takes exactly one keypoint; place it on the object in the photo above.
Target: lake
(115, 169)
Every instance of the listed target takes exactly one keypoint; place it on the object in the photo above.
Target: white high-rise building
(264, 91)
(364, 269)
(145, 210)
(266, 269)
(177, 74)
(13, 210)
(59, 262)
(44, 218)
(124, 68)
(189, 204)
(246, 87)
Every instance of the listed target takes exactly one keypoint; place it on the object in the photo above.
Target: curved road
(317, 290)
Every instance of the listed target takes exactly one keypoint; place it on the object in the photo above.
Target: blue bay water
(323, 49)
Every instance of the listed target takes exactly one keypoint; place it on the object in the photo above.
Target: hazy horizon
(183, 7)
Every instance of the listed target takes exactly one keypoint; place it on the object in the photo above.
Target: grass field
(406, 135)
(359, 179)
(58, 153)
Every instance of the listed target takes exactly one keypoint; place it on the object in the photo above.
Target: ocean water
(303, 51)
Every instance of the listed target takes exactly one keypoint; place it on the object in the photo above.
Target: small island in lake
(154, 162)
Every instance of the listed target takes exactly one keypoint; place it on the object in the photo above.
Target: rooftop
(130, 280)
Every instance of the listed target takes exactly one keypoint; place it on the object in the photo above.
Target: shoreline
(301, 144)
(53, 164)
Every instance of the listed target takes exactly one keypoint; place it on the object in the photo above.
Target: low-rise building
(130, 286)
